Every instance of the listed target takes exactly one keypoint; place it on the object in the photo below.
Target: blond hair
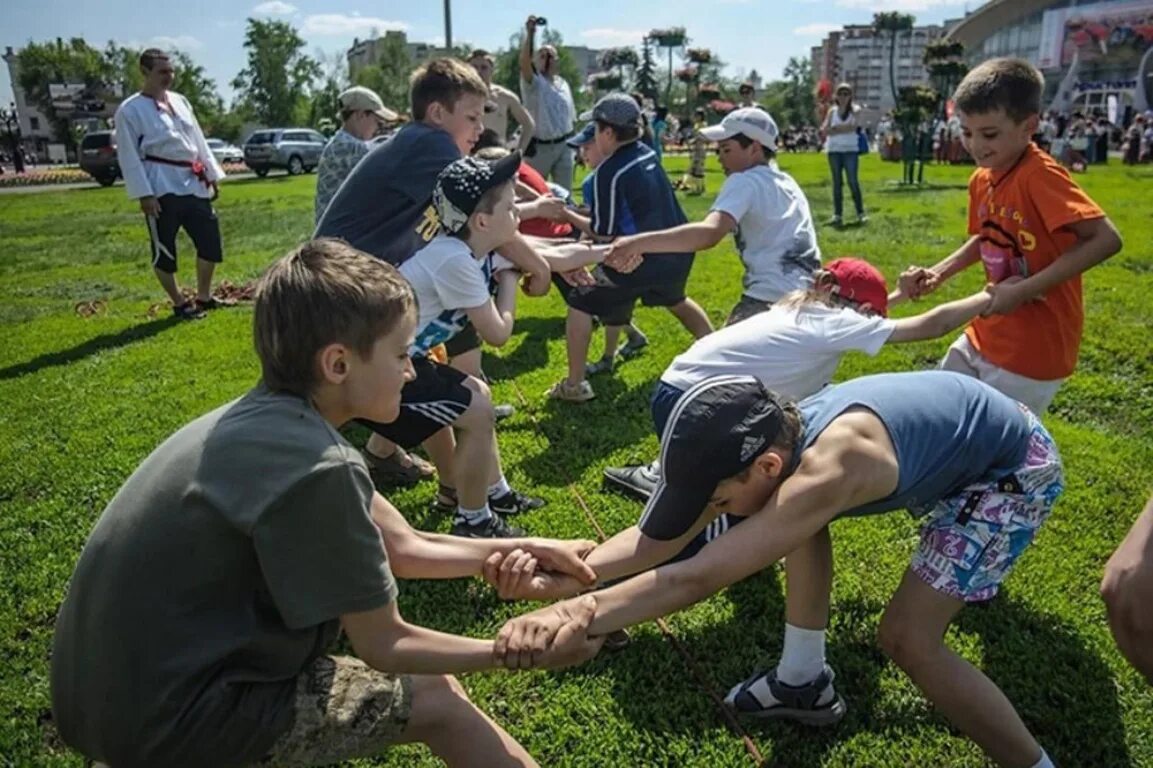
(324, 292)
(443, 81)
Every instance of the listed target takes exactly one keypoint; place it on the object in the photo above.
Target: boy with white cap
(361, 115)
(762, 206)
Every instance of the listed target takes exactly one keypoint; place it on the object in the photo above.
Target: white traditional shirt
(551, 105)
(145, 127)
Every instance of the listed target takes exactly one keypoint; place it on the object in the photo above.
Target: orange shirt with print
(1020, 216)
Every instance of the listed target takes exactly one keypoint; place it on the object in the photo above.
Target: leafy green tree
(893, 24)
(390, 76)
(276, 82)
(74, 61)
(801, 106)
(646, 72)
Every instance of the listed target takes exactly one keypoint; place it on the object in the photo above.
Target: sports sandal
(764, 696)
(399, 468)
(579, 393)
(188, 311)
(446, 501)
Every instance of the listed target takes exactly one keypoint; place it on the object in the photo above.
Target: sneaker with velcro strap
(764, 696)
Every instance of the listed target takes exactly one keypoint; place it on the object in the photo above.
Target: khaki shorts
(962, 357)
(344, 709)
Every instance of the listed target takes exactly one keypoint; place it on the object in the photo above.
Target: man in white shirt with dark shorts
(168, 167)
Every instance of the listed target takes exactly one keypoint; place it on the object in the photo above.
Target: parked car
(98, 157)
(225, 152)
(297, 150)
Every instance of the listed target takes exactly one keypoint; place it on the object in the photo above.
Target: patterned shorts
(971, 540)
(344, 709)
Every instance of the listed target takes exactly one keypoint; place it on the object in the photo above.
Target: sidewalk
(88, 185)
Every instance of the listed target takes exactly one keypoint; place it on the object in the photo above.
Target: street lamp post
(448, 26)
(10, 119)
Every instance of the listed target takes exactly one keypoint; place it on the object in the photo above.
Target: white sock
(803, 657)
(499, 488)
(1044, 762)
(474, 516)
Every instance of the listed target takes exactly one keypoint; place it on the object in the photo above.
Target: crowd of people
(197, 627)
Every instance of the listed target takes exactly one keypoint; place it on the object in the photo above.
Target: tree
(43, 64)
(389, 77)
(276, 81)
(189, 79)
(619, 59)
(893, 23)
(673, 38)
(646, 72)
(800, 98)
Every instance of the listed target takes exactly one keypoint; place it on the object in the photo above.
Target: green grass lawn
(85, 399)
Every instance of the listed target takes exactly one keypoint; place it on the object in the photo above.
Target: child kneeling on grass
(195, 628)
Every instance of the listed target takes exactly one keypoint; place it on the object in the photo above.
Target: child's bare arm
(570, 256)
(940, 320)
(494, 319)
(1097, 240)
(916, 282)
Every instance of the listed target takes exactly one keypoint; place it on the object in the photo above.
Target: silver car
(297, 150)
(225, 152)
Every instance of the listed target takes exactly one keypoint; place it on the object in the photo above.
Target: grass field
(84, 399)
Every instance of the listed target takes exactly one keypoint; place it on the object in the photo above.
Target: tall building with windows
(35, 130)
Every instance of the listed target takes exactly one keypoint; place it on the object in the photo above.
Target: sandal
(446, 501)
(212, 302)
(399, 468)
(188, 311)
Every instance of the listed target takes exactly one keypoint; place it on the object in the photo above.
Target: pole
(448, 26)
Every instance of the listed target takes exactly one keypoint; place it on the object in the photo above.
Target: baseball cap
(461, 185)
(716, 430)
(586, 135)
(617, 109)
(361, 99)
(753, 122)
(860, 282)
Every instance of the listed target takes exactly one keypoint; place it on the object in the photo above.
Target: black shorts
(613, 297)
(197, 217)
(435, 399)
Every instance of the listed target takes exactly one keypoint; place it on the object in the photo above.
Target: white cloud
(340, 24)
(274, 8)
(816, 30)
(605, 37)
(186, 43)
(897, 5)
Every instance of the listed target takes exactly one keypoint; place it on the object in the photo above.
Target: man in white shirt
(168, 167)
(362, 113)
(501, 103)
(549, 99)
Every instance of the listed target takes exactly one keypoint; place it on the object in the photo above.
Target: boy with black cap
(631, 194)
(761, 205)
(977, 466)
(475, 205)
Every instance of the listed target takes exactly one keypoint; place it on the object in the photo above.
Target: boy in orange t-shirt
(1035, 231)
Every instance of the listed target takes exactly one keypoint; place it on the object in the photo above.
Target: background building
(1094, 55)
(35, 130)
(859, 55)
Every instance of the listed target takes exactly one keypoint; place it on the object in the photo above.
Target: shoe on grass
(836, 221)
(188, 311)
(764, 696)
(638, 480)
(514, 503)
(634, 344)
(573, 393)
(503, 411)
(398, 469)
(492, 527)
(604, 365)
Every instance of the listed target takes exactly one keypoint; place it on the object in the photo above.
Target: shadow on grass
(532, 351)
(91, 347)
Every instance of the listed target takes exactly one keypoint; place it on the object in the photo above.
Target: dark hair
(150, 57)
(323, 292)
(744, 142)
(443, 81)
(481, 53)
(662, 113)
(486, 204)
(488, 138)
(622, 134)
(1011, 85)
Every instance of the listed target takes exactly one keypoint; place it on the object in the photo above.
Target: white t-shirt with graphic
(775, 234)
(447, 281)
(792, 351)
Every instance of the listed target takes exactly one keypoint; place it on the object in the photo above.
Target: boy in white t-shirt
(794, 349)
(474, 201)
(762, 206)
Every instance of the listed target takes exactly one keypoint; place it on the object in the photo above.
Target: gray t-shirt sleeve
(319, 550)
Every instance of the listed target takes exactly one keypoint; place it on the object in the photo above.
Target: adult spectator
(362, 113)
(549, 99)
(501, 102)
(1128, 592)
(168, 167)
(842, 147)
(748, 93)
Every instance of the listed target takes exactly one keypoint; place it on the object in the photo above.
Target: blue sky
(748, 34)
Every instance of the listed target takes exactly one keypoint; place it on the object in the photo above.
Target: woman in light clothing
(842, 146)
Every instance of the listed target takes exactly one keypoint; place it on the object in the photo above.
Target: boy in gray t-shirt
(195, 626)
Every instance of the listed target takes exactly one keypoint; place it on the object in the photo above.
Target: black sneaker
(514, 503)
(764, 696)
(492, 527)
(637, 481)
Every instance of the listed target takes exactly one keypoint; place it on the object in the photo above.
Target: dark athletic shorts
(197, 217)
(435, 399)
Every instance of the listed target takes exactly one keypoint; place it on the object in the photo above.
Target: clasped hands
(1004, 297)
(554, 636)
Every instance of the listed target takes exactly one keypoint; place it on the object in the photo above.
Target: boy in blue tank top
(977, 467)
